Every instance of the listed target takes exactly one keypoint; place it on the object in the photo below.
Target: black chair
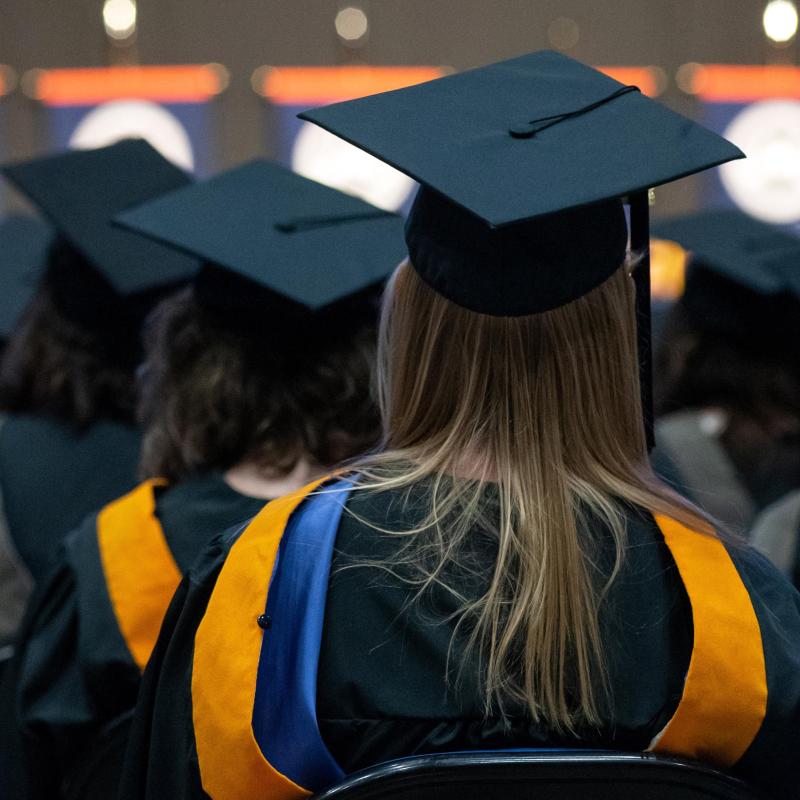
(540, 775)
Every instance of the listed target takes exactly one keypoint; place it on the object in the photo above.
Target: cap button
(525, 130)
(264, 621)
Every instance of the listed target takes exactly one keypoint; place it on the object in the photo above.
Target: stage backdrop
(319, 155)
(167, 105)
(757, 108)
(6, 85)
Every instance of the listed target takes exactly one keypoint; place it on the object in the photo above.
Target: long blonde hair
(547, 408)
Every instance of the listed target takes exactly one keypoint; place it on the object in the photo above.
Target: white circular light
(563, 33)
(326, 158)
(351, 24)
(119, 18)
(780, 20)
(767, 183)
(138, 119)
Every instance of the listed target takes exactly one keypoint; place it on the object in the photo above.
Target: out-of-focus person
(776, 533)
(24, 243)
(256, 380)
(68, 440)
(727, 367)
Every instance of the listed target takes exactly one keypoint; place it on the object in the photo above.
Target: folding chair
(540, 775)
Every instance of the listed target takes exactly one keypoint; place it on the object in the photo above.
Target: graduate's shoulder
(205, 568)
(762, 577)
(45, 430)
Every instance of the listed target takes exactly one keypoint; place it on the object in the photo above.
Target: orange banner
(733, 83)
(191, 83)
(646, 78)
(320, 85)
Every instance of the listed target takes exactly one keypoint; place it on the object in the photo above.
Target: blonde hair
(547, 408)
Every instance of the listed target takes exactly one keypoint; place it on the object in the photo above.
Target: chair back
(540, 775)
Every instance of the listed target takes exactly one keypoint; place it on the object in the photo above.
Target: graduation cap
(275, 245)
(24, 244)
(743, 279)
(79, 192)
(733, 245)
(523, 167)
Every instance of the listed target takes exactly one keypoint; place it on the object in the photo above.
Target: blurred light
(8, 79)
(667, 269)
(326, 158)
(119, 18)
(689, 78)
(141, 119)
(660, 80)
(222, 74)
(767, 183)
(259, 80)
(563, 33)
(713, 422)
(30, 83)
(352, 25)
(780, 20)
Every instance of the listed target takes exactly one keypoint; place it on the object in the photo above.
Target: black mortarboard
(81, 190)
(24, 243)
(511, 158)
(523, 166)
(271, 238)
(743, 280)
(758, 256)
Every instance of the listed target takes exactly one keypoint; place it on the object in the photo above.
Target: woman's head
(213, 396)
(467, 385)
(58, 363)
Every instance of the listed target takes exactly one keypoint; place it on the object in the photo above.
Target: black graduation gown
(703, 467)
(74, 672)
(776, 534)
(52, 476)
(382, 692)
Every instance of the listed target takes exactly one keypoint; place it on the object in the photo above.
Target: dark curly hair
(212, 395)
(56, 365)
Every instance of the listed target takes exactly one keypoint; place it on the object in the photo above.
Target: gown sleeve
(36, 685)
(16, 586)
(771, 760)
(161, 760)
(16, 583)
(69, 655)
(775, 533)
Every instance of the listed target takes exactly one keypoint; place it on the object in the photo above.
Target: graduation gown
(93, 624)
(776, 533)
(51, 477)
(696, 462)
(277, 672)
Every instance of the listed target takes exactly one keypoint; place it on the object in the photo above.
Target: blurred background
(212, 84)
